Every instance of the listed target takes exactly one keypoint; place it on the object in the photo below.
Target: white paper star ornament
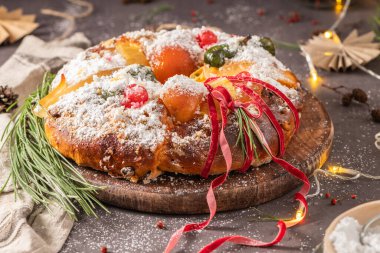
(330, 53)
(14, 25)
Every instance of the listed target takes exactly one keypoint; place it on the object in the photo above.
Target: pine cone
(7, 98)
(346, 99)
(375, 113)
(360, 95)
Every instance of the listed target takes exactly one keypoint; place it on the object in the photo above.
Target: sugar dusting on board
(346, 237)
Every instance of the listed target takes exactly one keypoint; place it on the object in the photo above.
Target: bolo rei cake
(138, 105)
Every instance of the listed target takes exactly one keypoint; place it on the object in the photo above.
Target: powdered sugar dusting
(183, 84)
(265, 66)
(87, 64)
(94, 111)
(183, 38)
(140, 35)
(346, 237)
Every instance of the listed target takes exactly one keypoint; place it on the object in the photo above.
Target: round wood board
(180, 194)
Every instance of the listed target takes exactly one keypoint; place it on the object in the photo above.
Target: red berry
(103, 249)
(333, 202)
(261, 11)
(135, 96)
(354, 196)
(327, 195)
(160, 224)
(206, 38)
(193, 13)
(294, 17)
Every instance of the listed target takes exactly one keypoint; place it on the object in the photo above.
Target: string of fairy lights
(315, 80)
(377, 140)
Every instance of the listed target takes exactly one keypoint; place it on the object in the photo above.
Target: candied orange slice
(172, 61)
(131, 51)
(229, 69)
(289, 80)
(234, 68)
(62, 89)
(224, 82)
(174, 102)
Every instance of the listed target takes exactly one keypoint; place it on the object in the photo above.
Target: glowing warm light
(342, 170)
(331, 35)
(315, 80)
(334, 169)
(314, 75)
(338, 6)
(328, 34)
(299, 215)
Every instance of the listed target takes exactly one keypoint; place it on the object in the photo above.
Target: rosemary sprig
(286, 45)
(156, 11)
(39, 169)
(263, 217)
(376, 23)
(244, 127)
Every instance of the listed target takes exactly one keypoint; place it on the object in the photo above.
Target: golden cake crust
(179, 147)
(186, 158)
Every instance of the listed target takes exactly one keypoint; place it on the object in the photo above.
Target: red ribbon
(226, 103)
(237, 239)
(214, 134)
(246, 76)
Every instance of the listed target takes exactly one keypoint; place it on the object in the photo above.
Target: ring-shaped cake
(136, 105)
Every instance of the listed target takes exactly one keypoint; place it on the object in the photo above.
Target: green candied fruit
(141, 71)
(268, 45)
(215, 56)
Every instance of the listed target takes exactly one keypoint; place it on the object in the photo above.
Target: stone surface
(127, 231)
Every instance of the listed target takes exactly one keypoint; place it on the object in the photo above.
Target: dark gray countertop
(127, 231)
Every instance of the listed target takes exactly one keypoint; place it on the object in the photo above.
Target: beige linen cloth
(24, 226)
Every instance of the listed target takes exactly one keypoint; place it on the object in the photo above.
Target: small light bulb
(338, 6)
(334, 169)
(315, 80)
(299, 215)
(328, 34)
(314, 75)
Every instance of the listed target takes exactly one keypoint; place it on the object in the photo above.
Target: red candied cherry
(206, 38)
(135, 96)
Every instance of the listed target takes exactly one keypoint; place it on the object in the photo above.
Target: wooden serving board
(180, 194)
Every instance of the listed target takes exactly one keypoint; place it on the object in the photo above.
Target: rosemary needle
(39, 169)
